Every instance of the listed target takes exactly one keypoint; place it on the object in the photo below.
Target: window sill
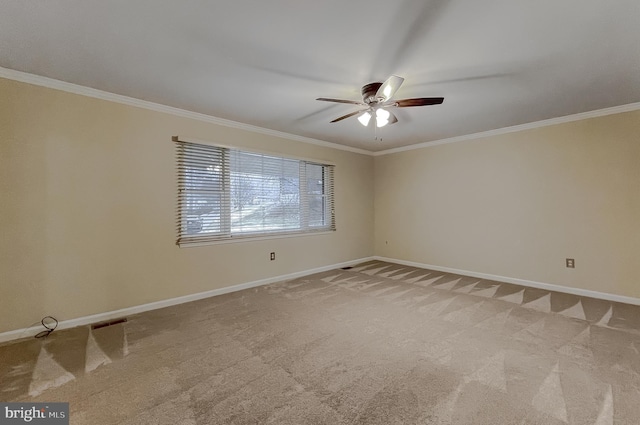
(254, 238)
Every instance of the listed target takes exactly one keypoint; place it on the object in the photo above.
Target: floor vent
(109, 323)
(346, 268)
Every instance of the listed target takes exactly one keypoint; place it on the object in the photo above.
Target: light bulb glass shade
(382, 117)
(382, 114)
(364, 118)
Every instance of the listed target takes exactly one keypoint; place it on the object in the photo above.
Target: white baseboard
(522, 282)
(101, 317)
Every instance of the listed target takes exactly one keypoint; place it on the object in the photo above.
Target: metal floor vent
(109, 323)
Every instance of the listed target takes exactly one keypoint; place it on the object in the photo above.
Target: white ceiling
(498, 63)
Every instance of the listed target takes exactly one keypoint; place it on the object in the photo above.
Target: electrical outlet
(571, 263)
(273, 256)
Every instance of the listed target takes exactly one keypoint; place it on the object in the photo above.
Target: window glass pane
(317, 211)
(212, 219)
(315, 181)
(203, 177)
(265, 193)
(316, 198)
(202, 213)
(201, 186)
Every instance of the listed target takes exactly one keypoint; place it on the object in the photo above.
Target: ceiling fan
(376, 98)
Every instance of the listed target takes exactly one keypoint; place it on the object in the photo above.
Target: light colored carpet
(377, 344)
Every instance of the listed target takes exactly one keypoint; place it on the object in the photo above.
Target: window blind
(226, 193)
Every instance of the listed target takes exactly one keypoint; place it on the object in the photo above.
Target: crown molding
(51, 83)
(521, 127)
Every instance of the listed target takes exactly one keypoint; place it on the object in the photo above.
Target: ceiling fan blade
(346, 116)
(419, 101)
(352, 102)
(389, 88)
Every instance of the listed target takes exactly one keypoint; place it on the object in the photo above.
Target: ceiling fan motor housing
(369, 93)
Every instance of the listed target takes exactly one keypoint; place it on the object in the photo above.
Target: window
(226, 194)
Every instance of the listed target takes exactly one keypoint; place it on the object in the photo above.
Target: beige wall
(87, 209)
(516, 205)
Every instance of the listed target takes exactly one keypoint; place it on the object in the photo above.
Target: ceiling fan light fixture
(364, 118)
(382, 117)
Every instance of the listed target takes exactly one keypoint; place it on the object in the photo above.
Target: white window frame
(224, 221)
